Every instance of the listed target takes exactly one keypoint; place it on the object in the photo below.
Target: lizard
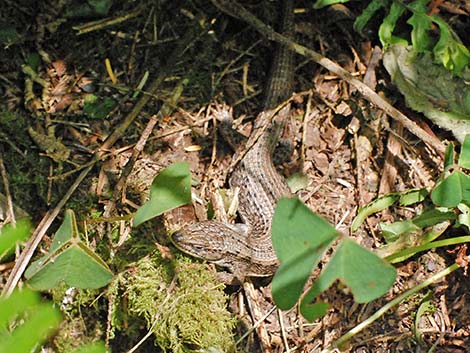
(245, 249)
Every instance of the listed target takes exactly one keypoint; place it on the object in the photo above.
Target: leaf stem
(398, 257)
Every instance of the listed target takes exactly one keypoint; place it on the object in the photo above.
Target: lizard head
(202, 240)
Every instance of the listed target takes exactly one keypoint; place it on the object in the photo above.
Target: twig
(101, 24)
(256, 324)
(233, 62)
(91, 162)
(283, 331)
(347, 336)
(36, 237)
(232, 8)
(305, 120)
(139, 147)
(6, 186)
(12, 145)
(181, 128)
(253, 304)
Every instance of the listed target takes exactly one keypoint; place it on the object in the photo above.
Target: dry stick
(234, 9)
(139, 147)
(233, 62)
(11, 144)
(253, 304)
(122, 149)
(351, 333)
(6, 186)
(49, 217)
(255, 325)
(305, 120)
(283, 331)
(165, 110)
(107, 22)
(37, 235)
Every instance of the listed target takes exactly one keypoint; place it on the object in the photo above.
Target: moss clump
(75, 333)
(80, 326)
(186, 312)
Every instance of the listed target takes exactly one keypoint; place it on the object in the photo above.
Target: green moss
(79, 326)
(75, 298)
(27, 174)
(27, 169)
(186, 312)
(76, 332)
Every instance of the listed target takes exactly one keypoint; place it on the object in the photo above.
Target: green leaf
(171, 188)
(421, 24)
(89, 8)
(97, 108)
(300, 238)
(433, 216)
(452, 190)
(449, 157)
(464, 216)
(406, 247)
(297, 181)
(323, 3)
(77, 266)
(367, 275)
(388, 25)
(101, 7)
(368, 13)
(10, 236)
(426, 307)
(413, 196)
(69, 260)
(33, 60)
(9, 36)
(96, 347)
(30, 321)
(17, 303)
(313, 311)
(424, 83)
(392, 231)
(464, 158)
(40, 323)
(66, 232)
(400, 231)
(376, 205)
(450, 52)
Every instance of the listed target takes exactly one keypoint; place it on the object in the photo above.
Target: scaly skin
(246, 249)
